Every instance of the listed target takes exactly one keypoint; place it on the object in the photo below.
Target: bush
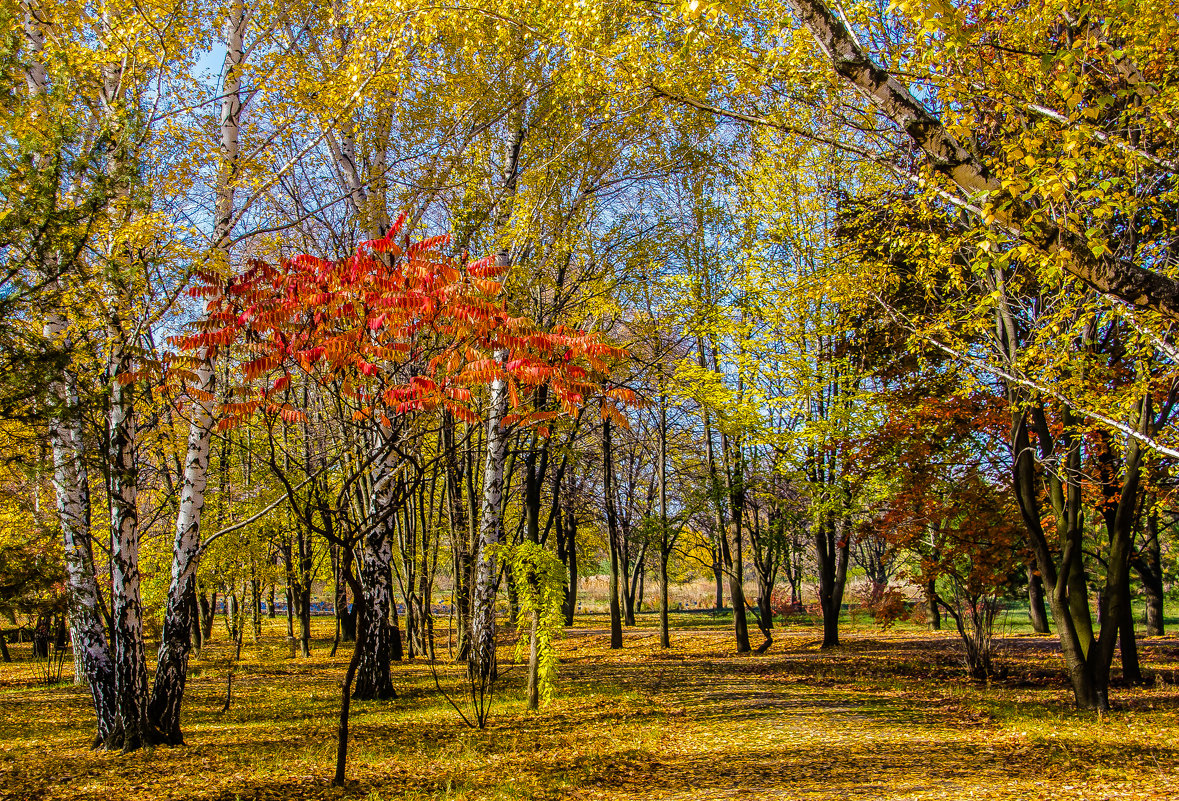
(886, 604)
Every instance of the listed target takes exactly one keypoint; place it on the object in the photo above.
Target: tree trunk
(931, 600)
(611, 534)
(665, 543)
(639, 599)
(346, 687)
(398, 647)
(718, 576)
(534, 662)
(131, 724)
(176, 641)
(481, 660)
(664, 613)
(72, 490)
(195, 637)
(459, 537)
(737, 591)
(1036, 610)
(343, 570)
(833, 550)
(1078, 603)
(633, 593)
(208, 614)
(567, 553)
(290, 595)
(172, 668)
(1148, 565)
(305, 565)
(255, 604)
(70, 479)
(374, 634)
(1131, 670)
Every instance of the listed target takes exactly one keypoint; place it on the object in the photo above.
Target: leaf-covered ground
(884, 716)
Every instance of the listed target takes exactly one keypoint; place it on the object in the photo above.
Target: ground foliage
(883, 716)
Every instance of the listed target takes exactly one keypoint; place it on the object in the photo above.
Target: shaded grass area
(886, 715)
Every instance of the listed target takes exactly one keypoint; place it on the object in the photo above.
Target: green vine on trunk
(540, 582)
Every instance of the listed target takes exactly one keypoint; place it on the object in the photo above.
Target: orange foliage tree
(948, 512)
(401, 326)
(398, 331)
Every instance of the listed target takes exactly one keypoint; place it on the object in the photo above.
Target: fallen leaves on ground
(883, 716)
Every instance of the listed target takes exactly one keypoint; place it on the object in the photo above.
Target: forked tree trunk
(833, 551)
(1086, 692)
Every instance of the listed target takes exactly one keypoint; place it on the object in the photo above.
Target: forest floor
(885, 715)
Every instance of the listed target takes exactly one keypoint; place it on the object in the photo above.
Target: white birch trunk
(71, 486)
(176, 642)
(344, 150)
(131, 728)
(126, 607)
(373, 678)
(482, 655)
(71, 482)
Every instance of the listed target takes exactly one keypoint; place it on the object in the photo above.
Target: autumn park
(589, 399)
